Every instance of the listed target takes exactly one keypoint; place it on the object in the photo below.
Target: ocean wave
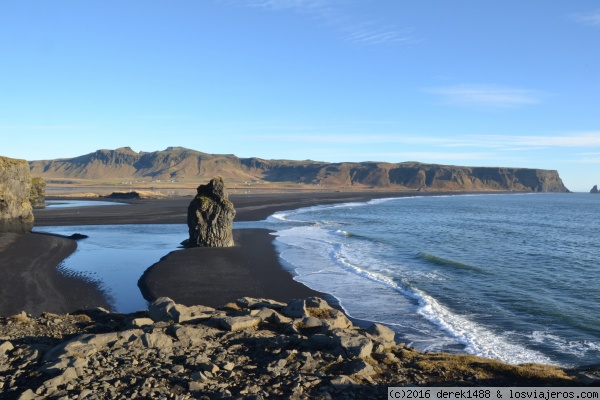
(444, 262)
(477, 339)
(578, 348)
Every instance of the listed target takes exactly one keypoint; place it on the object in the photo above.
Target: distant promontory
(178, 163)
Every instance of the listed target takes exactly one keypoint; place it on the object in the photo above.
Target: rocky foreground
(253, 349)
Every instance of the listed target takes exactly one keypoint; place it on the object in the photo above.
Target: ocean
(514, 277)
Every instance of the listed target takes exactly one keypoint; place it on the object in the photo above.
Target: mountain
(180, 163)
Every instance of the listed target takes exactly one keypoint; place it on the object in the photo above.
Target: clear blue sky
(466, 82)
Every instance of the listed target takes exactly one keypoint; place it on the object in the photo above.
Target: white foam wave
(323, 239)
(577, 348)
(477, 339)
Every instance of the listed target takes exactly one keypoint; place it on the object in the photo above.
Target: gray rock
(193, 335)
(359, 367)
(210, 216)
(295, 309)
(317, 302)
(6, 347)
(253, 303)
(381, 333)
(164, 309)
(353, 344)
(310, 322)
(336, 319)
(157, 340)
(342, 382)
(234, 324)
(139, 322)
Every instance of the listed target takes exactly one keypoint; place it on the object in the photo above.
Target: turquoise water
(511, 277)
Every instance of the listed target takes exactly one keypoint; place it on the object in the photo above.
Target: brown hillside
(178, 163)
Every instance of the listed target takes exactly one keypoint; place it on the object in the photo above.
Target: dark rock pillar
(210, 216)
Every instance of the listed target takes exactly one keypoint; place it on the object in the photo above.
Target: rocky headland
(16, 213)
(595, 190)
(178, 163)
(250, 349)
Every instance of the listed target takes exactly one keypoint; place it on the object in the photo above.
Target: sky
(465, 82)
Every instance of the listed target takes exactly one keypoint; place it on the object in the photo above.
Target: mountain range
(179, 163)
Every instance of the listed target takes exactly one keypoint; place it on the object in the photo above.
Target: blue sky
(463, 82)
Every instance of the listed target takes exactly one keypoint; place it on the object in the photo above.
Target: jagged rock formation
(181, 163)
(210, 216)
(37, 197)
(251, 349)
(595, 190)
(16, 214)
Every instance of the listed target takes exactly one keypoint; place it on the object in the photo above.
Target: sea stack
(37, 196)
(16, 214)
(210, 216)
(594, 189)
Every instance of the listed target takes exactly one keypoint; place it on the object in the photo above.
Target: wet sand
(32, 282)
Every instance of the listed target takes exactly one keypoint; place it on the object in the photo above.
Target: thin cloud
(376, 36)
(584, 139)
(350, 139)
(497, 142)
(486, 96)
(312, 6)
(589, 19)
(427, 155)
(331, 14)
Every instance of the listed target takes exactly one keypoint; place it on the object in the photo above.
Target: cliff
(185, 164)
(595, 190)
(16, 213)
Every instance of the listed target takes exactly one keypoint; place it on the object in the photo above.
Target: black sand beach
(213, 277)
(31, 281)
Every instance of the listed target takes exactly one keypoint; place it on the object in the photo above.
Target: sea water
(513, 277)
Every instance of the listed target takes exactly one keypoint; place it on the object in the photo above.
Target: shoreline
(59, 295)
(33, 282)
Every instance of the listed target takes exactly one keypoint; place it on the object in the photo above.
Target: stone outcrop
(210, 216)
(37, 196)
(16, 213)
(595, 190)
(251, 349)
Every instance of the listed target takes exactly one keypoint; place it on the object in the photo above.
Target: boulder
(16, 213)
(164, 309)
(595, 190)
(210, 216)
(382, 333)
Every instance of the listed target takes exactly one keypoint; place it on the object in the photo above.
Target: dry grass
(87, 195)
(320, 313)
(456, 365)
